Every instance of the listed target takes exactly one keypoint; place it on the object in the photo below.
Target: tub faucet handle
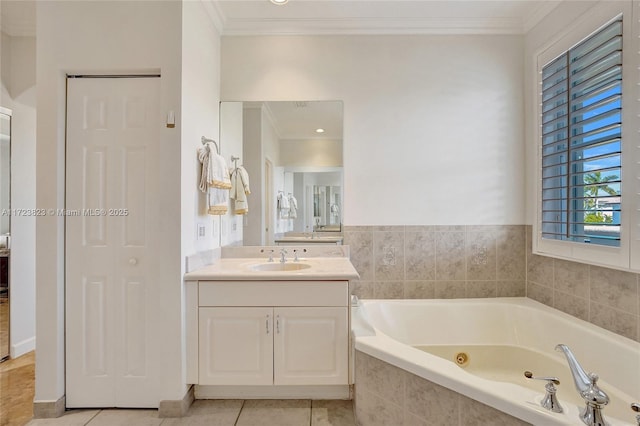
(550, 400)
(636, 407)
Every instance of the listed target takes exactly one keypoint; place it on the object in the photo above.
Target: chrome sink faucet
(270, 254)
(586, 384)
(283, 254)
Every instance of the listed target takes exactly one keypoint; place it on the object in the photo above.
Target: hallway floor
(16, 408)
(17, 388)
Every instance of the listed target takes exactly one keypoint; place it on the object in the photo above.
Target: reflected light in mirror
(292, 150)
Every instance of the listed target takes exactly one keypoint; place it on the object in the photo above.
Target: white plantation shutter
(581, 132)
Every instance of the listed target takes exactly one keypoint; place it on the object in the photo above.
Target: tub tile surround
(445, 262)
(605, 297)
(418, 262)
(385, 394)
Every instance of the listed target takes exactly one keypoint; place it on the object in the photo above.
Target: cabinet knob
(133, 261)
(267, 324)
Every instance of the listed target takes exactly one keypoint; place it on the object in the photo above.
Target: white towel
(240, 190)
(293, 207)
(283, 206)
(214, 179)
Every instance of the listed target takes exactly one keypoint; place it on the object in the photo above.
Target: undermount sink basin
(279, 266)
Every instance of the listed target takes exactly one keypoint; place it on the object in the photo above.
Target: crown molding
(538, 13)
(371, 26)
(216, 15)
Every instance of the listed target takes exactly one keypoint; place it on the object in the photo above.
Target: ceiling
(260, 17)
(298, 120)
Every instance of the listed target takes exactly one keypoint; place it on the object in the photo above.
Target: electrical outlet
(234, 226)
(202, 231)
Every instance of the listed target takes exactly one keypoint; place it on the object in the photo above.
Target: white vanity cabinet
(256, 333)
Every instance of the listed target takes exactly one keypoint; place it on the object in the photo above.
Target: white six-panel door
(113, 128)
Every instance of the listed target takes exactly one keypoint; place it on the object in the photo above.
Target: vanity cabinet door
(311, 346)
(236, 346)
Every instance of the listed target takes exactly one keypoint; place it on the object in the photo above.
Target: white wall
(433, 124)
(19, 94)
(105, 37)
(200, 117)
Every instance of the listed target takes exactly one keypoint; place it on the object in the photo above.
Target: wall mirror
(292, 151)
(5, 228)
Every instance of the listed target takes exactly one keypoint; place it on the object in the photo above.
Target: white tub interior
(501, 337)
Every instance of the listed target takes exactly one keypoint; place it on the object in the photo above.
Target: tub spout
(586, 384)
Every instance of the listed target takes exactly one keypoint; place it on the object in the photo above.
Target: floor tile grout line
(239, 412)
(93, 417)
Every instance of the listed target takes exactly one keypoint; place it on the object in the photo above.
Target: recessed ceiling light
(279, 2)
(319, 130)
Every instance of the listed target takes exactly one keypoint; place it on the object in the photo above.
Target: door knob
(133, 261)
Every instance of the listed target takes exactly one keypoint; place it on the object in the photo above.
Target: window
(581, 138)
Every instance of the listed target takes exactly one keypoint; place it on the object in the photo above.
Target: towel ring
(205, 140)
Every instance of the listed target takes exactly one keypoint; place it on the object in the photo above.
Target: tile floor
(16, 408)
(298, 412)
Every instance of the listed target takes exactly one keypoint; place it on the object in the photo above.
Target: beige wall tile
(511, 253)
(540, 293)
(572, 305)
(379, 377)
(450, 289)
(474, 413)
(511, 288)
(361, 252)
(428, 400)
(571, 277)
(420, 255)
(540, 270)
(480, 251)
(388, 255)
(476, 289)
(388, 290)
(362, 289)
(419, 289)
(372, 410)
(450, 256)
(617, 289)
(613, 320)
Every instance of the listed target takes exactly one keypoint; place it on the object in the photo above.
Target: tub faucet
(593, 396)
(636, 407)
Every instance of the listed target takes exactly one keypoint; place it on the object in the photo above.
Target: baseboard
(49, 409)
(23, 347)
(271, 392)
(176, 408)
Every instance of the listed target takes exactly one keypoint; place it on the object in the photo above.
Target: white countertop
(309, 240)
(240, 269)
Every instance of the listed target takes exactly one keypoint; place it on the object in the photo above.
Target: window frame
(598, 17)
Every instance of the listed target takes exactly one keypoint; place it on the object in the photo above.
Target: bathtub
(480, 348)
